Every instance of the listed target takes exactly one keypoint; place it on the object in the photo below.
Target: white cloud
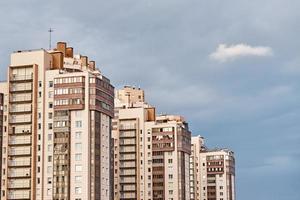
(226, 53)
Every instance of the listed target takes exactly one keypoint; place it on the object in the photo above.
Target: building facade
(213, 172)
(57, 136)
(151, 153)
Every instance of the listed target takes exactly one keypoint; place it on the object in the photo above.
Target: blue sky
(232, 68)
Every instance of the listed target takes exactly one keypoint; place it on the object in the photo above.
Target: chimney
(58, 60)
(92, 65)
(61, 46)
(84, 61)
(69, 52)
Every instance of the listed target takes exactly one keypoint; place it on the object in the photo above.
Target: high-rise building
(131, 142)
(213, 172)
(151, 152)
(57, 136)
(197, 147)
(171, 149)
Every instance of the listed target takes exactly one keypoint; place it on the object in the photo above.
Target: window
(78, 156)
(49, 169)
(49, 147)
(78, 124)
(50, 105)
(49, 136)
(40, 94)
(78, 135)
(78, 168)
(78, 178)
(50, 115)
(40, 83)
(50, 83)
(78, 146)
(50, 126)
(40, 126)
(170, 176)
(50, 94)
(170, 161)
(49, 180)
(49, 158)
(77, 190)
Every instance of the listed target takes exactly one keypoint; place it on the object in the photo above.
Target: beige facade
(58, 137)
(212, 171)
(151, 153)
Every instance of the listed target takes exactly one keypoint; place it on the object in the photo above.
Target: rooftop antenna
(50, 34)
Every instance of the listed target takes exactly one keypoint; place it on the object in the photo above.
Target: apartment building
(151, 153)
(131, 177)
(57, 136)
(214, 172)
(1, 121)
(197, 147)
(171, 149)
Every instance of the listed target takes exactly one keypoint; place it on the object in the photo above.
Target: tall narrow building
(171, 149)
(58, 137)
(197, 147)
(151, 152)
(214, 172)
(131, 142)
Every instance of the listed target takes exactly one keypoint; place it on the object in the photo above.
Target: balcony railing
(19, 152)
(20, 98)
(18, 163)
(127, 126)
(20, 87)
(15, 77)
(25, 119)
(18, 172)
(21, 109)
(19, 140)
(19, 184)
(18, 194)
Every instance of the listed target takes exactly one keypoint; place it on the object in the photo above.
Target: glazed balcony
(21, 98)
(19, 151)
(20, 87)
(20, 119)
(18, 194)
(19, 163)
(19, 140)
(18, 173)
(19, 183)
(21, 78)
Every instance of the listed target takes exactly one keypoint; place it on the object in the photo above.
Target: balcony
(61, 140)
(20, 87)
(61, 129)
(19, 151)
(19, 183)
(127, 127)
(21, 78)
(20, 119)
(19, 140)
(20, 98)
(20, 109)
(20, 130)
(18, 173)
(18, 194)
(19, 163)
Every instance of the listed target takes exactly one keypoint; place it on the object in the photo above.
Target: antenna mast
(50, 34)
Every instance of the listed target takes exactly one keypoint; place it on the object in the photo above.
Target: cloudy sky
(232, 68)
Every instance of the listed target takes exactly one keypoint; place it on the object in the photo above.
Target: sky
(231, 68)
